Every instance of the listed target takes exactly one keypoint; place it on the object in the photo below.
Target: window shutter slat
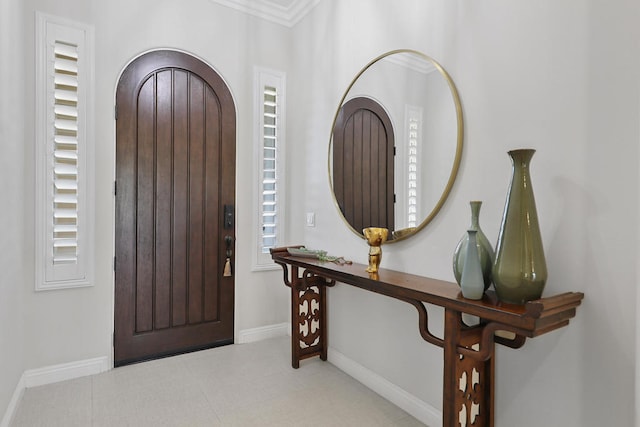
(66, 198)
(65, 95)
(65, 243)
(65, 169)
(65, 213)
(66, 184)
(65, 65)
(65, 110)
(65, 80)
(65, 154)
(62, 228)
(63, 49)
(66, 140)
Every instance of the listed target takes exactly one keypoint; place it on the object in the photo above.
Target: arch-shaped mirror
(396, 144)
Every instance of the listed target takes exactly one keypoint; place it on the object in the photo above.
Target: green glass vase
(485, 250)
(520, 269)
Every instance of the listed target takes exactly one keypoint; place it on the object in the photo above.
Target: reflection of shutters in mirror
(414, 134)
(363, 164)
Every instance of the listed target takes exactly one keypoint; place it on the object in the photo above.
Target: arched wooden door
(175, 173)
(363, 164)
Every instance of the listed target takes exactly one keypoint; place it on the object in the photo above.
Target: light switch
(311, 219)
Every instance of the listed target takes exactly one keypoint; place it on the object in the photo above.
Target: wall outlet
(311, 219)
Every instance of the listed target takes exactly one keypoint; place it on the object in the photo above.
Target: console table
(468, 386)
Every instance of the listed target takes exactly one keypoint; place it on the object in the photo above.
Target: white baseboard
(262, 333)
(422, 411)
(13, 404)
(65, 371)
(53, 374)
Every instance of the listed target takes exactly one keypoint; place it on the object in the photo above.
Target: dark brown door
(363, 150)
(175, 172)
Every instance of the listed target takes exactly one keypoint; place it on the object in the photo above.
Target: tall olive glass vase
(485, 250)
(520, 269)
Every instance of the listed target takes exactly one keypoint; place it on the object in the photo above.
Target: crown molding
(283, 12)
(412, 62)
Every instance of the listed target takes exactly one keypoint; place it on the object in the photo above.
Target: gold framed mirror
(396, 144)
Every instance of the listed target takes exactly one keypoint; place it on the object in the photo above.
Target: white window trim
(49, 30)
(263, 77)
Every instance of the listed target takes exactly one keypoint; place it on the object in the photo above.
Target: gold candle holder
(375, 236)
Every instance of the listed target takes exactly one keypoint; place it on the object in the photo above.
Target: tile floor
(237, 385)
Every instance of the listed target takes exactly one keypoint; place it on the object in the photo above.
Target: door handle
(228, 241)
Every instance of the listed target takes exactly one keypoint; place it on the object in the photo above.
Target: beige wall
(13, 268)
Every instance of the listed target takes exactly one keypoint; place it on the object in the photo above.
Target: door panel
(363, 164)
(175, 170)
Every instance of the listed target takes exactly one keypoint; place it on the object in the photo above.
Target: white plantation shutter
(269, 111)
(269, 173)
(64, 208)
(64, 230)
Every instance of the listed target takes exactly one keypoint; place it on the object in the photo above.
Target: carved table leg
(308, 317)
(468, 381)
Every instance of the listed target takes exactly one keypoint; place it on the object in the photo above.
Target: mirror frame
(459, 143)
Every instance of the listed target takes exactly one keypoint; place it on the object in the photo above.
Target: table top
(532, 318)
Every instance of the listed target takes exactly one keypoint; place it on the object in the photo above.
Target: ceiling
(283, 12)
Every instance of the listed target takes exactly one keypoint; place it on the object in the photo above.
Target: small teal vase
(472, 282)
(485, 250)
(520, 269)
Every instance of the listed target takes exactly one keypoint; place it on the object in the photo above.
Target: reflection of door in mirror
(416, 95)
(363, 164)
